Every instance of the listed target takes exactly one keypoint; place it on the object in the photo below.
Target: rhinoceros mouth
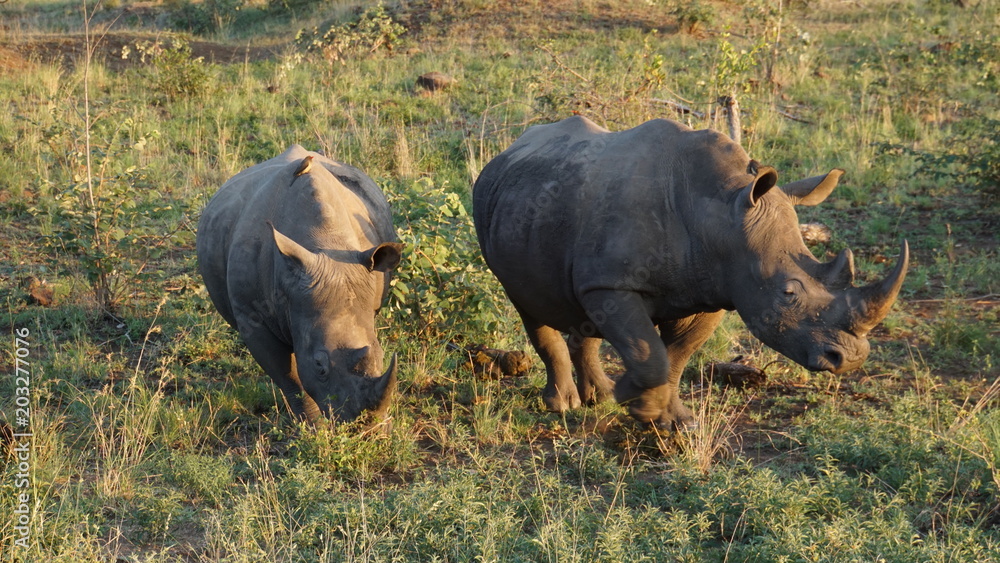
(834, 360)
(367, 393)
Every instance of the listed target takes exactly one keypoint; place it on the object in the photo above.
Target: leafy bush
(443, 286)
(207, 476)
(96, 218)
(694, 14)
(292, 6)
(173, 71)
(351, 451)
(374, 30)
(204, 17)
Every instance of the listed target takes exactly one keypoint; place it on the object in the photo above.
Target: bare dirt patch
(67, 50)
(11, 60)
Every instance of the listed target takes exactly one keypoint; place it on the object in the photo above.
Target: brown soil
(68, 49)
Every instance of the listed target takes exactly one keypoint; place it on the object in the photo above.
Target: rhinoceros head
(808, 310)
(331, 298)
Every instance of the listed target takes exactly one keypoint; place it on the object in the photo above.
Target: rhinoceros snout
(836, 359)
(829, 359)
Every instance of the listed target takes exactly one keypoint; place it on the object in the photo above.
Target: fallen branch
(562, 65)
(787, 115)
(984, 298)
(679, 107)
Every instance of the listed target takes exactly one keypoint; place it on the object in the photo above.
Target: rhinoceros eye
(322, 360)
(792, 289)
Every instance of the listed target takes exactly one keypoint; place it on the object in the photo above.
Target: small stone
(493, 364)
(39, 292)
(815, 233)
(435, 81)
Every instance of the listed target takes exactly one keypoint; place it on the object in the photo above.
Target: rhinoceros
(644, 238)
(296, 254)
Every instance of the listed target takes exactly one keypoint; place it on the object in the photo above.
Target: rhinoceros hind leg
(560, 393)
(592, 383)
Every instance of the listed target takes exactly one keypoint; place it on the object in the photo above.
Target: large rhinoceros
(615, 235)
(296, 253)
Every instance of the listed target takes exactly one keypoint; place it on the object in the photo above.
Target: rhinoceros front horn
(381, 391)
(876, 299)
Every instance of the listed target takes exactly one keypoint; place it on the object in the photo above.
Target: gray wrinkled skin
(643, 238)
(296, 253)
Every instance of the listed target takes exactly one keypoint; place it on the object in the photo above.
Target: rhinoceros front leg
(645, 388)
(309, 407)
(592, 383)
(560, 394)
(278, 362)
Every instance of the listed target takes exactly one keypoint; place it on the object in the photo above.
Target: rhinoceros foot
(561, 400)
(659, 405)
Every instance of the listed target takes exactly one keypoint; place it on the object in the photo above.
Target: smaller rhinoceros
(296, 253)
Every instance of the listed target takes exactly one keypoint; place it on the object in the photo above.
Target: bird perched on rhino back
(296, 254)
(643, 238)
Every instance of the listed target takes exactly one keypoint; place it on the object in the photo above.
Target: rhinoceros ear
(766, 179)
(812, 191)
(292, 250)
(382, 258)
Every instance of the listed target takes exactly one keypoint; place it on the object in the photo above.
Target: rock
(39, 292)
(435, 81)
(815, 233)
(492, 364)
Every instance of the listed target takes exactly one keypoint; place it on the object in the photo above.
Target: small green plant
(205, 17)
(209, 477)
(733, 65)
(172, 71)
(354, 451)
(97, 219)
(694, 15)
(293, 6)
(375, 30)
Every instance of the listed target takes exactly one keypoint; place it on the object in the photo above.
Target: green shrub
(209, 477)
(375, 30)
(693, 15)
(204, 17)
(352, 451)
(97, 217)
(442, 287)
(173, 71)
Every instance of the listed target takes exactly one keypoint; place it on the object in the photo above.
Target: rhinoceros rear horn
(382, 390)
(877, 298)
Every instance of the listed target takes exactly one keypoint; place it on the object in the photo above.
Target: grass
(157, 438)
